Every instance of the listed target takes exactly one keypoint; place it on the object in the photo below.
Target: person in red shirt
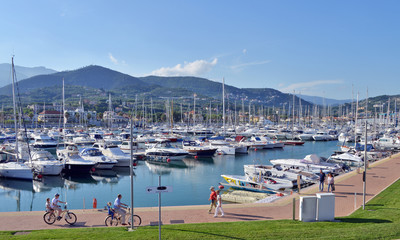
(213, 198)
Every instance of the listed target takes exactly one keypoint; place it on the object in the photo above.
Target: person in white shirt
(219, 204)
(55, 206)
(119, 208)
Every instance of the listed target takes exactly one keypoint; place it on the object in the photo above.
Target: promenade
(348, 198)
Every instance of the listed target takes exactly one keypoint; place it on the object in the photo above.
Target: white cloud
(244, 51)
(113, 59)
(195, 68)
(308, 87)
(239, 66)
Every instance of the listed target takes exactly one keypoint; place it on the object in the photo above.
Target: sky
(330, 49)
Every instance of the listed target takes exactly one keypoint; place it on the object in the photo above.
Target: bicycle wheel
(136, 220)
(70, 218)
(49, 218)
(110, 221)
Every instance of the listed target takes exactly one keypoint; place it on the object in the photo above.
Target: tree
(66, 115)
(77, 116)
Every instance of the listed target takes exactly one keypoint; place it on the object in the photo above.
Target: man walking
(321, 180)
(213, 198)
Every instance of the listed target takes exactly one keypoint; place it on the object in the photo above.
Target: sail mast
(14, 107)
(223, 104)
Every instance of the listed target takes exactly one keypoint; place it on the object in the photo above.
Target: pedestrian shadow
(363, 220)
(343, 185)
(352, 194)
(244, 216)
(207, 233)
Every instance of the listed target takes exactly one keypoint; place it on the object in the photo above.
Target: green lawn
(380, 220)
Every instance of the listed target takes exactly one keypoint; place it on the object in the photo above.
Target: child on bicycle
(48, 205)
(111, 211)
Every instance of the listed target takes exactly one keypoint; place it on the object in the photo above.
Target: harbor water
(190, 180)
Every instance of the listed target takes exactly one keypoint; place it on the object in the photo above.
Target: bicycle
(116, 219)
(50, 217)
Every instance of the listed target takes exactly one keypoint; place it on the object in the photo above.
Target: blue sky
(318, 48)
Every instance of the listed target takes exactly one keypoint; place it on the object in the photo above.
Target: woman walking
(331, 182)
(219, 204)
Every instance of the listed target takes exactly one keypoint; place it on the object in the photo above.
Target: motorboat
(43, 162)
(277, 171)
(223, 147)
(125, 146)
(114, 153)
(387, 143)
(43, 141)
(166, 150)
(95, 155)
(264, 183)
(73, 162)
(322, 136)
(198, 149)
(311, 163)
(347, 158)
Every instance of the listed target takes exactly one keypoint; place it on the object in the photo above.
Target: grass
(380, 220)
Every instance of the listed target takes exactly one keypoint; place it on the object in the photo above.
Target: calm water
(190, 180)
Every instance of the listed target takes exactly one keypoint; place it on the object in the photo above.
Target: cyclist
(119, 208)
(111, 211)
(55, 206)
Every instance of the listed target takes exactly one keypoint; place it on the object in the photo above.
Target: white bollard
(355, 201)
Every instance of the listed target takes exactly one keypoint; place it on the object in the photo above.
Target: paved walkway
(380, 175)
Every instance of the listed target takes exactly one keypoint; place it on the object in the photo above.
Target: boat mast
(223, 104)
(14, 107)
(63, 110)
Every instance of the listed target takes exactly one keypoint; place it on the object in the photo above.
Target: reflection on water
(16, 184)
(74, 181)
(46, 183)
(164, 167)
(105, 176)
(193, 162)
(123, 171)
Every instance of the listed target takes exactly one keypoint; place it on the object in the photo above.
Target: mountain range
(323, 101)
(97, 78)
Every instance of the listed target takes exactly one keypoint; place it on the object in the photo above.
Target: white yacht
(347, 158)
(43, 140)
(223, 147)
(114, 153)
(166, 150)
(125, 146)
(73, 162)
(43, 162)
(15, 170)
(311, 163)
(95, 155)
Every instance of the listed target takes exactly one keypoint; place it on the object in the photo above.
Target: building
(50, 116)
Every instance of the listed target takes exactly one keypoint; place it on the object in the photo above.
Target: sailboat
(15, 169)
(69, 156)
